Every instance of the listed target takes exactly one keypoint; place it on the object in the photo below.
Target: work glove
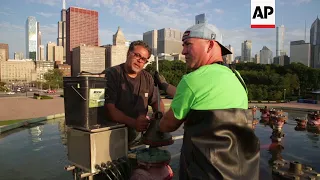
(160, 81)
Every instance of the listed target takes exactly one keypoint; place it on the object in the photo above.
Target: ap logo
(263, 14)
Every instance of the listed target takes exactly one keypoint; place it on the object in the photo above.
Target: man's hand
(160, 81)
(142, 123)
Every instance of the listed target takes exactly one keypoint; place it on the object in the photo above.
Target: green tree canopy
(54, 78)
(264, 81)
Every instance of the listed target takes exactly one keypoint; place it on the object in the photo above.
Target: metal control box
(84, 102)
(89, 148)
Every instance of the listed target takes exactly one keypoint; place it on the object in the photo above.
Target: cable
(118, 163)
(110, 170)
(101, 169)
(106, 168)
(116, 168)
(127, 164)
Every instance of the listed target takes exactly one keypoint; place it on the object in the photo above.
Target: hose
(127, 165)
(104, 165)
(103, 170)
(116, 168)
(118, 163)
(114, 175)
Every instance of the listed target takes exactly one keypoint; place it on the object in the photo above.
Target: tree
(264, 81)
(3, 87)
(54, 78)
(171, 70)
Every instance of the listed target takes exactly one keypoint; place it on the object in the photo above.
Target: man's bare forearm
(117, 116)
(155, 106)
(171, 90)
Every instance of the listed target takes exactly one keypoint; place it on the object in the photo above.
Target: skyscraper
(169, 41)
(300, 52)
(31, 38)
(280, 40)
(61, 40)
(315, 32)
(246, 48)
(81, 28)
(38, 41)
(230, 57)
(200, 18)
(151, 38)
(315, 43)
(266, 56)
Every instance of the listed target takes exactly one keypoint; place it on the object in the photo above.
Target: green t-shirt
(210, 87)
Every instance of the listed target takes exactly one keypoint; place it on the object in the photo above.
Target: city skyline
(152, 15)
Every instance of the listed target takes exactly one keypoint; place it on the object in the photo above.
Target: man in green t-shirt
(212, 101)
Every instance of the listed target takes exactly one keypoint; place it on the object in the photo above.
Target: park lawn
(7, 122)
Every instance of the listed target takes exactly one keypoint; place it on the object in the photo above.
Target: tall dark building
(61, 40)
(81, 28)
(315, 43)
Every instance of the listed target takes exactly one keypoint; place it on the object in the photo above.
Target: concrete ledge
(61, 115)
(295, 109)
(287, 108)
(58, 115)
(29, 121)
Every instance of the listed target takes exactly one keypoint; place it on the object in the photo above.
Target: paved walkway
(25, 108)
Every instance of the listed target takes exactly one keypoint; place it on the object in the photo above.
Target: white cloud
(298, 2)
(49, 29)
(96, 5)
(46, 2)
(155, 1)
(203, 3)
(152, 17)
(13, 33)
(133, 37)
(183, 6)
(47, 14)
(7, 26)
(294, 2)
(105, 36)
(177, 14)
(6, 11)
(260, 38)
(48, 33)
(218, 11)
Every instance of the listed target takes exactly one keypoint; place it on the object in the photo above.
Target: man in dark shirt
(130, 89)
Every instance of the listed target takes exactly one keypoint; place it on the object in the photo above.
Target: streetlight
(41, 77)
(284, 94)
(25, 85)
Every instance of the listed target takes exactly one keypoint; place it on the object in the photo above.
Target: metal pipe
(157, 69)
(83, 175)
(69, 168)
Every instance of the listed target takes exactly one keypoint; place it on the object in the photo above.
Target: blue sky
(232, 17)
